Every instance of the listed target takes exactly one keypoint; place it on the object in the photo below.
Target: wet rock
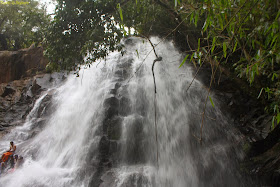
(46, 107)
(39, 124)
(112, 101)
(114, 128)
(121, 73)
(91, 157)
(135, 146)
(110, 126)
(264, 145)
(125, 106)
(266, 165)
(117, 85)
(113, 147)
(136, 179)
(141, 102)
(20, 99)
(127, 64)
(111, 111)
(104, 146)
(15, 65)
(114, 152)
(108, 179)
(238, 102)
(35, 87)
(8, 91)
(113, 91)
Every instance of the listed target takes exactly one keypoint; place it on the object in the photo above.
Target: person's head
(12, 143)
(16, 156)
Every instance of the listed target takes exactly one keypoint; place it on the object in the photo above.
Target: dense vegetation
(21, 24)
(81, 32)
(242, 36)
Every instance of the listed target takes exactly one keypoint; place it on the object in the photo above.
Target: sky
(50, 5)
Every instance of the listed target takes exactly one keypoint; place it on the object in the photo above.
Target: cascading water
(101, 131)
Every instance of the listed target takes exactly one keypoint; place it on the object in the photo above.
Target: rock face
(18, 97)
(260, 144)
(116, 106)
(15, 65)
(19, 84)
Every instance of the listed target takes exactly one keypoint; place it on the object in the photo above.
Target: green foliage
(148, 17)
(212, 103)
(81, 32)
(183, 62)
(245, 36)
(21, 24)
(121, 16)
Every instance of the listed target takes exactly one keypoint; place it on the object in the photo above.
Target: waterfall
(100, 129)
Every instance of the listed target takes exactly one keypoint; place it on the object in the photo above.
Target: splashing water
(85, 139)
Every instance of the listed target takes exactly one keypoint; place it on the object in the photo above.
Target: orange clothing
(5, 156)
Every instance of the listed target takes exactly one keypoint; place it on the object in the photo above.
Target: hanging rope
(155, 97)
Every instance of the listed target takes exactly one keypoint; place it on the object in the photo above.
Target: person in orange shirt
(10, 152)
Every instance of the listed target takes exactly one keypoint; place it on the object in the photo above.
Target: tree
(21, 24)
(81, 32)
(89, 30)
(243, 36)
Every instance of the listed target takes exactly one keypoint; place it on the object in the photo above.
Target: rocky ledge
(15, 65)
(18, 97)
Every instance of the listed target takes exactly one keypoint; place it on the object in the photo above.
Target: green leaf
(198, 44)
(191, 60)
(275, 108)
(177, 2)
(206, 24)
(196, 19)
(274, 75)
(253, 44)
(137, 53)
(273, 119)
(220, 22)
(252, 77)
(191, 18)
(211, 101)
(260, 93)
(14, 3)
(276, 18)
(192, 56)
(213, 44)
(183, 62)
(273, 40)
(120, 10)
(278, 118)
(225, 49)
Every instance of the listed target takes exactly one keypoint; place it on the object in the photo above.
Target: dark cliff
(15, 65)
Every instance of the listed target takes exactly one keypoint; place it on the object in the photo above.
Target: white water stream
(58, 154)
